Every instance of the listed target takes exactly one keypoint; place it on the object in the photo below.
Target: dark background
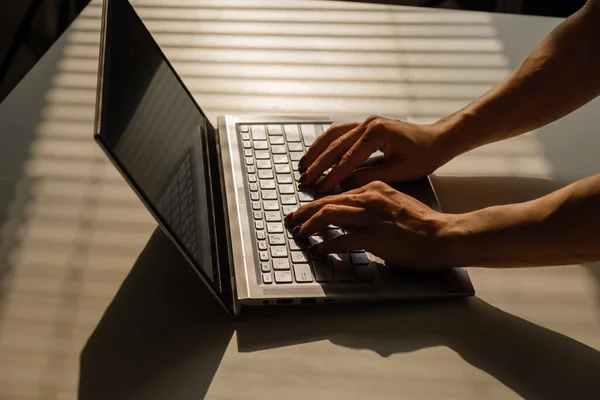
(29, 27)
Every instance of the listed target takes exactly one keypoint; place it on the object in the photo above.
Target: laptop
(220, 192)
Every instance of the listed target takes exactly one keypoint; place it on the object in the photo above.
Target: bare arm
(560, 228)
(560, 75)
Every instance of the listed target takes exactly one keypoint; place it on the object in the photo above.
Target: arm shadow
(533, 361)
(460, 194)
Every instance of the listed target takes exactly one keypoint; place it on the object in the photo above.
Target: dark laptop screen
(156, 133)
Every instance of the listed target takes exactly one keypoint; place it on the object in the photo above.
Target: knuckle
(347, 156)
(328, 209)
(337, 143)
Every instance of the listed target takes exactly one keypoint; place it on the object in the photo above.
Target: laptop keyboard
(177, 205)
(271, 154)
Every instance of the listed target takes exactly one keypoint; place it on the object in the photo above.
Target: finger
(323, 142)
(305, 212)
(341, 244)
(346, 217)
(360, 177)
(331, 155)
(360, 151)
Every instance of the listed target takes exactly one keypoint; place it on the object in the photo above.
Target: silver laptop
(220, 193)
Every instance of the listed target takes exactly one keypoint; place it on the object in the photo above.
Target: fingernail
(288, 218)
(302, 178)
(301, 162)
(296, 230)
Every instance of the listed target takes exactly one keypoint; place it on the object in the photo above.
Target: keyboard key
(259, 224)
(281, 264)
(273, 216)
(276, 238)
(258, 132)
(304, 196)
(253, 187)
(262, 154)
(257, 215)
(299, 257)
(288, 199)
(295, 147)
(254, 196)
(278, 251)
(263, 164)
(278, 149)
(342, 268)
(262, 245)
(260, 235)
(270, 205)
(267, 184)
(280, 159)
(332, 233)
(288, 233)
(283, 277)
(251, 177)
(267, 278)
(265, 266)
(291, 133)
(296, 155)
(261, 145)
(248, 153)
(275, 130)
(308, 134)
(303, 273)
(282, 168)
(359, 258)
(276, 139)
(269, 194)
(286, 189)
(315, 239)
(256, 205)
(244, 128)
(298, 244)
(364, 273)
(263, 255)
(296, 176)
(323, 269)
(249, 161)
(289, 209)
(325, 127)
(265, 174)
(295, 165)
(247, 144)
(250, 169)
(245, 136)
(283, 178)
(274, 227)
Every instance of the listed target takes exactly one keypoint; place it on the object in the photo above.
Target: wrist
(457, 133)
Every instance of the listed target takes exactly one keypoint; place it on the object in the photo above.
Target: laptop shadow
(162, 337)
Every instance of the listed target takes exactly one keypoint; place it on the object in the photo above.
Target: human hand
(410, 151)
(379, 219)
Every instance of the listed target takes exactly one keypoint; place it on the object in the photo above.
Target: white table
(72, 229)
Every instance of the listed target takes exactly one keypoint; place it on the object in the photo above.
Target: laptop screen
(157, 135)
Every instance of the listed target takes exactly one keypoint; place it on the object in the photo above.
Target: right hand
(410, 151)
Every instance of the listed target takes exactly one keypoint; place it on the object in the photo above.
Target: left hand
(379, 219)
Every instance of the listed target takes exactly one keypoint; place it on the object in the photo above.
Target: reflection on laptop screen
(154, 130)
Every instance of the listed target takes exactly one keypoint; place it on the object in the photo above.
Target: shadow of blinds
(78, 227)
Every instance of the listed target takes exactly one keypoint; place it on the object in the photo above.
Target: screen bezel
(226, 297)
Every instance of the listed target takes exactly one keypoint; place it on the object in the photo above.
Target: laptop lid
(157, 136)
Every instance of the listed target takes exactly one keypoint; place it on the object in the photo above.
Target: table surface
(71, 229)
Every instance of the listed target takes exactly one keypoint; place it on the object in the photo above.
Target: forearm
(559, 76)
(560, 228)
